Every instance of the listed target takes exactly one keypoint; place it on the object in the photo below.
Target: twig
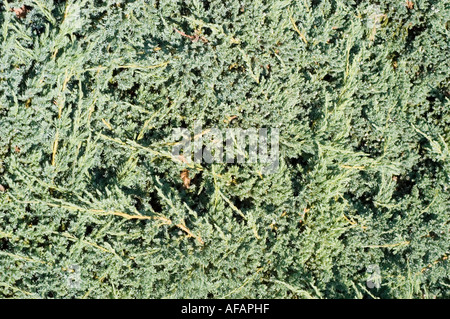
(193, 38)
(297, 30)
(20, 12)
(164, 220)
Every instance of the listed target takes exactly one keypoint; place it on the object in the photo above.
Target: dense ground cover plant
(92, 205)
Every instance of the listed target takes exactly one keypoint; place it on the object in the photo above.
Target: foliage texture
(91, 90)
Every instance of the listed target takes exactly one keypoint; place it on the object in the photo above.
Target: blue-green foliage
(91, 90)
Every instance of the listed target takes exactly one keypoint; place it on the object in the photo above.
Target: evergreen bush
(92, 205)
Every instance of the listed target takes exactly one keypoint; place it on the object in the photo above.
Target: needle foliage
(92, 205)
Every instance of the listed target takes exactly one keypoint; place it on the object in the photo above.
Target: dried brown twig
(193, 38)
(185, 178)
(20, 12)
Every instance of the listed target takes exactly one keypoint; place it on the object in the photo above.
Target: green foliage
(91, 90)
